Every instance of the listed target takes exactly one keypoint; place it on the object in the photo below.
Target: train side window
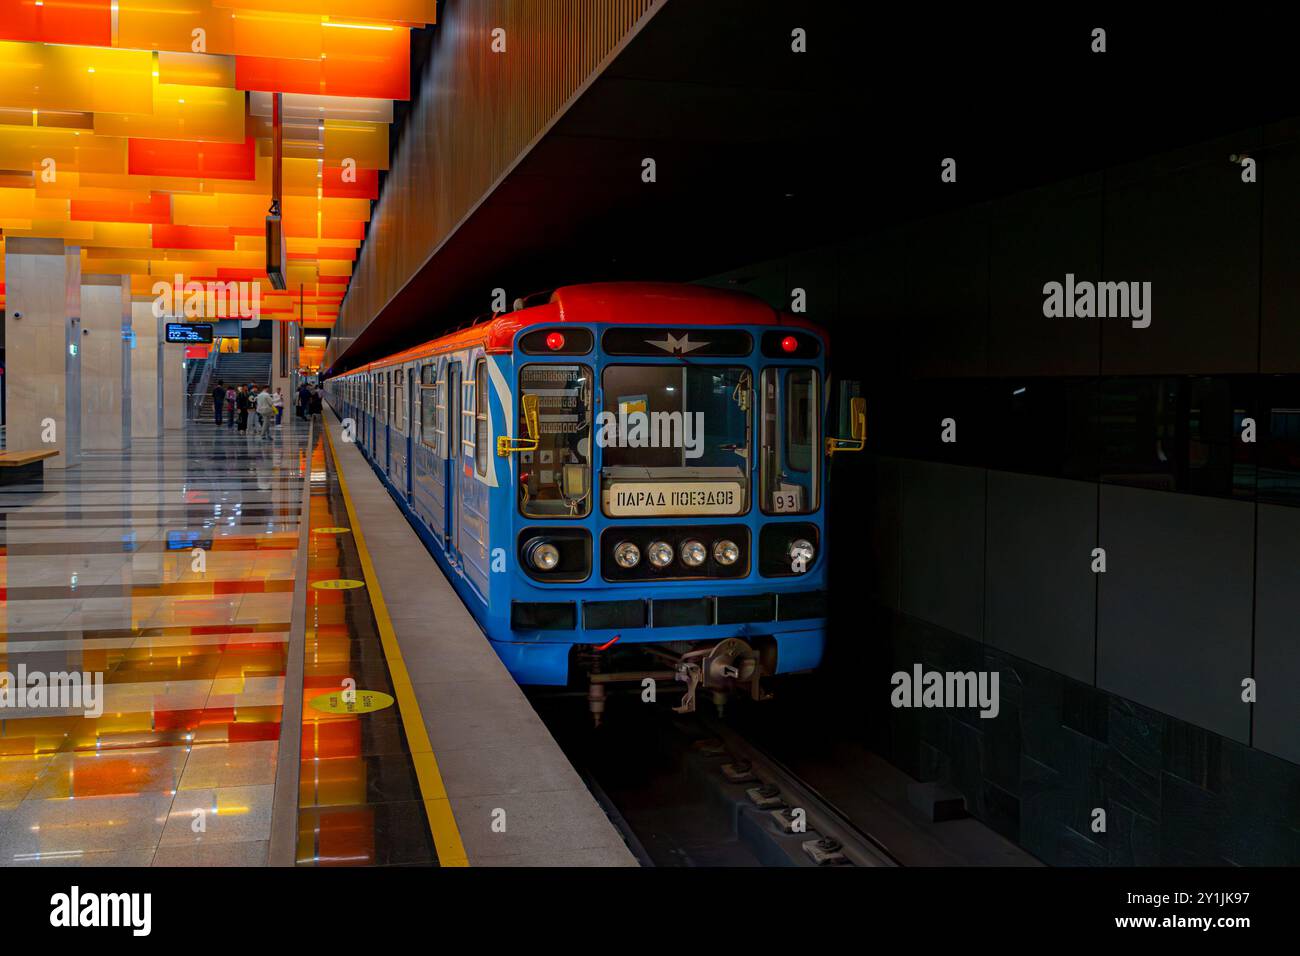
(790, 463)
(429, 406)
(481, 417)
(399, 399)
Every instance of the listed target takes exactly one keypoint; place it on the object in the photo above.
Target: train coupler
(728, 666)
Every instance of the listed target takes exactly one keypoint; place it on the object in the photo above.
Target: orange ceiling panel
(192, 237)
(57, 21)
(350, 183)
(160, 157)
(157, 210)
(351, 62)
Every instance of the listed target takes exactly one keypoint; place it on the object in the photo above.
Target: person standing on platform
(219, 401)
(231, 395)
(265, 412)
(304, 400)
(316, 401)
(243, 403)
(278, 400)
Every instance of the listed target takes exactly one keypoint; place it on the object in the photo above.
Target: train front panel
(664, 493)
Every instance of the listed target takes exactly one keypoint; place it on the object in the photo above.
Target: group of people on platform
(235, 404)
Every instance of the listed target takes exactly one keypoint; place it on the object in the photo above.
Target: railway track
(828, 837)
(695, 791)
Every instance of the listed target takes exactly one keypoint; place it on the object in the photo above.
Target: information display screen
(190, 333)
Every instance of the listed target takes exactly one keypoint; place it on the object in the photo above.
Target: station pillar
(146, 374)
(42, 348)
(105, 362)
(172, 361)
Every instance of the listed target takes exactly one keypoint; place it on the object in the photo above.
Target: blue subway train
(622, 481)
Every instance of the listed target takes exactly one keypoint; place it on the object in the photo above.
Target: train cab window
(790, 459)
(429, 407)
(481, 436)
(555, 479)
(675, 440)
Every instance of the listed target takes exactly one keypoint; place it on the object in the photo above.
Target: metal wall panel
(478, 113)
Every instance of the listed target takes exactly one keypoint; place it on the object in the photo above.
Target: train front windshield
(675, 440)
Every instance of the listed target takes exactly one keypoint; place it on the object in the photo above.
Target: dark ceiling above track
(761, 151)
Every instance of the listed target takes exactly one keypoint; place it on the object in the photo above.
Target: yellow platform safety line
(442, 823)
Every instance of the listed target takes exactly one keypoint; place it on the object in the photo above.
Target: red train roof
(612, 303)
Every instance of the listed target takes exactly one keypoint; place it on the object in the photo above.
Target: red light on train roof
(555, 341)
(789, 344)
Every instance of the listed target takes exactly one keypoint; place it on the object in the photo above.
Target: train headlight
(660, 553)
(627, 555)
(544, 556)
(693, 553)
(725, 552)
(802, 551)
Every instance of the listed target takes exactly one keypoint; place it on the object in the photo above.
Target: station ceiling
(139, 131)
(761, 151)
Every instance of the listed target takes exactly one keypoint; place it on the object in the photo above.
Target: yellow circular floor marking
(337, 584)
(360, 702)
(330, 530)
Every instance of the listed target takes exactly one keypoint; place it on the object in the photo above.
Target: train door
(386, 381)
(370, 414)
(454, 476)
(412, 420)
(374, 417)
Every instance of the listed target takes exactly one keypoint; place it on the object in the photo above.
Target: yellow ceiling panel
(44, 76)
(300, 207)
(402, 11)
(220, 209)
(126, 235)
(300, 272)
(196, 69)
(302, 173)
(17, 204)
(75, 233)
(182, 112)
(365, 143)
(65, 184)
(121, 181)
(70, 150)
(335, 267)
(116, 252)
(354, 209)
(113, 266)
(50, 210)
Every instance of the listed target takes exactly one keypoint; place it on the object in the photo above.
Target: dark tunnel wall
(1120, 690)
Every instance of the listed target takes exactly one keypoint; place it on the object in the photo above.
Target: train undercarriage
(719, 668)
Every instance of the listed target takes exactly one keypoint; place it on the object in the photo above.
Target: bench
(24, 467)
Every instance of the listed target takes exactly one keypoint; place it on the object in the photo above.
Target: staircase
(235, 369)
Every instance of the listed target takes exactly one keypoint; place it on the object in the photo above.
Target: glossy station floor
(168, 571)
